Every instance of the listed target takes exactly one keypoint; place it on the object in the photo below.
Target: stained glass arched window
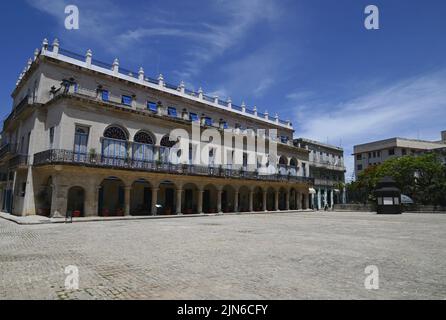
(166, 142)
(282, 160)
(143, 137)
(115, 133)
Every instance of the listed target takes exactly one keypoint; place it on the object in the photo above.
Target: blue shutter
(208, 121)
(104, 95)
(172, 112)
(127, 100)
(225, 125)
(152, 106)
(193, 117)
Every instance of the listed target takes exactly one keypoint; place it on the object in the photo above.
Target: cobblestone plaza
(258, 256)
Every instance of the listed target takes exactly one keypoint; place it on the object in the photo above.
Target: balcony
(7, 150)
(59, 157)
(17, 110)
(328, 164)
(19, 160)
(326, 182)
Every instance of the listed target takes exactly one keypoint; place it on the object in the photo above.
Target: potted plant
(105, 212)
(92, 155)
(76, 214)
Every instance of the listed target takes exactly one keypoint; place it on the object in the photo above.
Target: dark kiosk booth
(388, 197)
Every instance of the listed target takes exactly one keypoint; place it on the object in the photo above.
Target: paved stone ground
(274, 256)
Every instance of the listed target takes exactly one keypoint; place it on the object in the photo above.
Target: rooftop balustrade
(54, 50)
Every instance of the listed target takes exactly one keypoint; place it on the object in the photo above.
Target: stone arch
(76, 201)
(228, 199)
(190, 198)
(243, 200)
(282, 198)
(270, 199)
(167, 197)
(210, 199)
(293, 199)
(111, 197)
(141, 198)
(258, 198)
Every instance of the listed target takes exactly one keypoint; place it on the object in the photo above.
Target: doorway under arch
(111, 197)
(76, 202)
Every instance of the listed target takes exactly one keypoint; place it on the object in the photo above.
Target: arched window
(293, 166)
(114, 146)
(115, 133)
(143, 147)
(283, 160)
(166, 142)
(143, 137)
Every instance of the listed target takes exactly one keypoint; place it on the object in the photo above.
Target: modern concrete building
(375, 153)
(92, 138)
(328, 171)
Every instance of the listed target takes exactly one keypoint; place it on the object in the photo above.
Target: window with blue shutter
(152, 106)
(208, 121)
(193, 117)
(225, 125)
(172, 112)
(105, 95)
(127, 100)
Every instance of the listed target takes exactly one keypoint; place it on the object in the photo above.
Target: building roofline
(325, 145)
(395, 140)
(139, 78)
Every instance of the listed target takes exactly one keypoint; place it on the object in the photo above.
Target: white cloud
(106, 24)
(403, 109)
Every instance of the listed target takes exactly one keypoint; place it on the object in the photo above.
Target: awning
(312, 191)
(406, 199)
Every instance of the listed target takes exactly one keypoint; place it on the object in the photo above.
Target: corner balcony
(67, 157)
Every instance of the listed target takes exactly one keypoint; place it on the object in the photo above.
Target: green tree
(423, 178)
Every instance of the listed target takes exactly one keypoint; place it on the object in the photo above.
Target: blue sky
(312, 61)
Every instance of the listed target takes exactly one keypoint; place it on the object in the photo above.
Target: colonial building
(328, 171)
(91, 138)
(375, 153)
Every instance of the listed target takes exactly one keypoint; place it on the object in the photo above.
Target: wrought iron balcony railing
(19, 160)
(9, 148)
(69, 157)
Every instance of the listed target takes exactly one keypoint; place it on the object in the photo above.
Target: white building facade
(376, 152)
(92, 139)
(328, 171)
